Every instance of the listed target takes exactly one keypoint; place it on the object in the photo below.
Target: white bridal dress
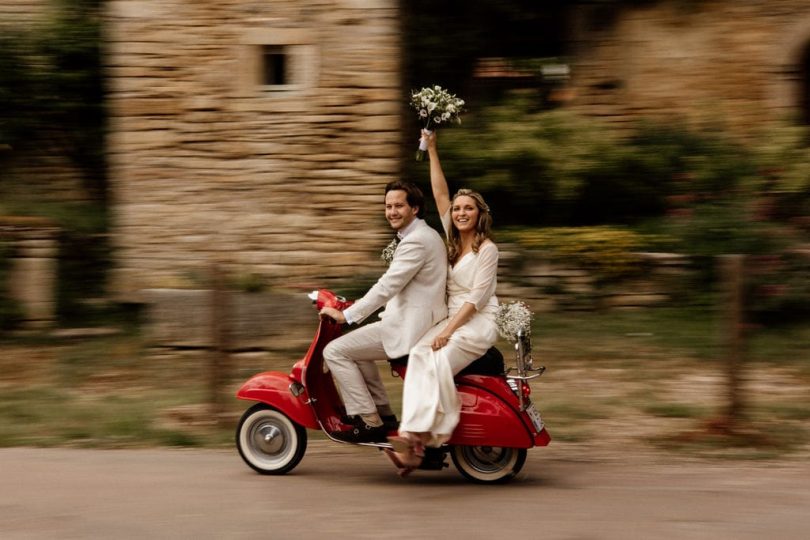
(430, 402)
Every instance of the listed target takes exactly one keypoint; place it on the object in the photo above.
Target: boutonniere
(387, 254)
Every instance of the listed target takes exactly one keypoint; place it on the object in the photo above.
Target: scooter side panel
(273, 388)
(496, 385)
(488, 420)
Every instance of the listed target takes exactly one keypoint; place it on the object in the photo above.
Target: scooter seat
(490, 364)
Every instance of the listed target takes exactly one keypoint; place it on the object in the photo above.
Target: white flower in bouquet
(512, 319)
(435, 106)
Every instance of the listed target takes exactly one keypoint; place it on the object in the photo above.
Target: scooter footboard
(488, 420)
(273, 388)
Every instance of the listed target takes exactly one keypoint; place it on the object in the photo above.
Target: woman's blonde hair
(483, 226)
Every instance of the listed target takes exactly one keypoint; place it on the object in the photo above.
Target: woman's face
(464, 213)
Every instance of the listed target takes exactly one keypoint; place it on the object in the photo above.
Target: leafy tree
(51, 90)
(442, 40)
(546, 168)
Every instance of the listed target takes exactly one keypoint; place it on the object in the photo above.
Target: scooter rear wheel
(488, 464)
(268, 441)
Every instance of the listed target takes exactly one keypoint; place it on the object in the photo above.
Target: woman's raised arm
(441, 193)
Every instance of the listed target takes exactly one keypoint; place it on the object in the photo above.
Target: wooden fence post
(219, 365)
(731, 270)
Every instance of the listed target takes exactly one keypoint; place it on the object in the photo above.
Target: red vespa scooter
(498, 421)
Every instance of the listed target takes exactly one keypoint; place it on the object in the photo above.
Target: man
(413, 293)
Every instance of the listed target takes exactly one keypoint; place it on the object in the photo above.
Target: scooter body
(498, 421)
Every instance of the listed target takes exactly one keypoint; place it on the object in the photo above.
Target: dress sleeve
(485, 279)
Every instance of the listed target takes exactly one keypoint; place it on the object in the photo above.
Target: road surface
(340, 491)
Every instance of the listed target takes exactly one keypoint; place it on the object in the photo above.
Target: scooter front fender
(273, 388)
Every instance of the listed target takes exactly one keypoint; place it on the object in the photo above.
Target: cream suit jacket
(412, 290)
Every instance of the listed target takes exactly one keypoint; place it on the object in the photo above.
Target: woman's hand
(440, 341)
(430, 138)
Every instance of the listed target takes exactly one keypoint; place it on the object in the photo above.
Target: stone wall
(285, 321)
(551, 284)
(207, 162)
(25, 12)
(713, 60)
(33, 268)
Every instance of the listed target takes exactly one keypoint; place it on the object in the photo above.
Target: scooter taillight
(526, 390)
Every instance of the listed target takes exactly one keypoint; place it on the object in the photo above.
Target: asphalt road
(345, 492)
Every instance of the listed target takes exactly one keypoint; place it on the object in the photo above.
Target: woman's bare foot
(405, 464)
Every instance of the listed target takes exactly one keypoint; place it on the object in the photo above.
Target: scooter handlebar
(325, 298)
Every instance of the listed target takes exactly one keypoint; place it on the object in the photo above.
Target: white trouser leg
(351, 360)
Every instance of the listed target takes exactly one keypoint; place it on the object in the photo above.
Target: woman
(430, 403)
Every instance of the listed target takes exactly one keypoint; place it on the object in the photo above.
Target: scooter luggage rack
(524, 368)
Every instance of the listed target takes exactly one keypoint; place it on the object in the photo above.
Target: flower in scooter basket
(387, 254)
(434, 106)
(513, 318)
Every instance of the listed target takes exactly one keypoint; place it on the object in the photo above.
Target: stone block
(633, 300)
(32, 283)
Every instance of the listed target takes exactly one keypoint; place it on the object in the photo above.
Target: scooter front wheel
(268, 441)
(488, 464)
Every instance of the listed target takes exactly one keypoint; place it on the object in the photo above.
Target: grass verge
(651, 377)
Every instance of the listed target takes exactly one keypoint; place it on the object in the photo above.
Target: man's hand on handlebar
(333, 314)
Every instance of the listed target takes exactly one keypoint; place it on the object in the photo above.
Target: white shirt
(402, 233)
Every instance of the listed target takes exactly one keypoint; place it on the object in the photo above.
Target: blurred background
(175, 175)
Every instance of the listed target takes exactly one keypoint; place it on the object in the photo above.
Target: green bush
(552, 168)
(51, 91)
(611, 253)
(778, 288)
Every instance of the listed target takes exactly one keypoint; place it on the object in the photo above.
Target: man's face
(397, 210)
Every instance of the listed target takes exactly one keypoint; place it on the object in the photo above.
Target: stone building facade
(255, 134)
(260, 134)
(741, 64)
(22, 12)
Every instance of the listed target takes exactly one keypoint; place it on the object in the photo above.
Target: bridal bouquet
(435, 106)
(513, 318)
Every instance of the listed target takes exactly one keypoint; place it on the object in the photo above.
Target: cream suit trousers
(351, 358)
